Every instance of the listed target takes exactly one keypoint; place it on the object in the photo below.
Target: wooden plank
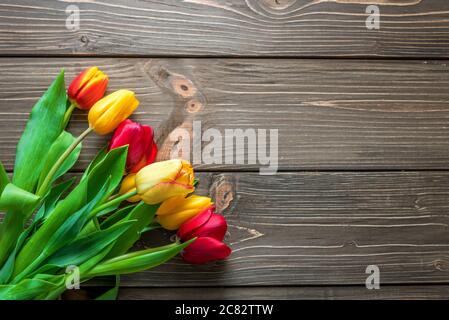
(303, 293)
(408, 28)
(331, 114)
(319, 229)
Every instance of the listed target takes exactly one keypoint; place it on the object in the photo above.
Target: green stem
(30, 268)
(152, 227)
(112, 202)
(68, 114)
(49, 178)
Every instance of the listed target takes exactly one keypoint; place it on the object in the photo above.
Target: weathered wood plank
(255, 293)
(331, 114)
(320, 229)
(408, 28)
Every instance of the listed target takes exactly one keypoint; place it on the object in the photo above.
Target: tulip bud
(204, 250)
(205, 224)
(109, 112)
(87, 88)
(128, 185)
(175, 211)
(160, 181)
(142, 149)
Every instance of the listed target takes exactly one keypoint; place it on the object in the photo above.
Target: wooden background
(363, 120)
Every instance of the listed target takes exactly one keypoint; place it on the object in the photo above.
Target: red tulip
(87, 88)
(210, 229)
(204, 250)
(142, 149)
(205, 224)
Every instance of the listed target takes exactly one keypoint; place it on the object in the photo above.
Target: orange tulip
(87, 88)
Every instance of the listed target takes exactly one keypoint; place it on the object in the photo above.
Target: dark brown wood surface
(409, 28)
(321, 229)
(331, 114)
(363, 139)
(337, 292)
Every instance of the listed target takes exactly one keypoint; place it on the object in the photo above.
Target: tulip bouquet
(52, 224)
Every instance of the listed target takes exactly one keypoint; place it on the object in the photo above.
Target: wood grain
(303, 293)
(315, 229)
(319, 229)
(296, 28)
(331, 114)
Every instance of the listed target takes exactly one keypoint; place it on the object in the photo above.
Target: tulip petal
(165, 190)
(80, 80)
(204, 250)
(109, 112)
(92, 92)
(214, 228)
(87, 88)
(181, 203)
(174, 221)
(157, 172)
(128, 185)
(189, 227)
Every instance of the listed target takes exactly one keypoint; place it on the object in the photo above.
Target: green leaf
(90, 227)
(110, 168)
(42, 128)
(137, 261)
(51, 198)
(111, 294)
(19, 204)
(144, 215)
(8, 267)
(117, 216)
(63, 209)
(26, 289)
(73, 225)
(98, 158)
(59, 146)
(83, 249)
(64, 235)
(4, 180)
(92, 262)
(113, 166)
(17, 199)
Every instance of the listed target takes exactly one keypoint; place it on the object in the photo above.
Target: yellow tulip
(128, 185)
(175, 211)
(160, 181)
(106, 114)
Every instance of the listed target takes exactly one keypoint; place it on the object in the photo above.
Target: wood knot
(84, 39)
(193, 105)
(222, 192)
(183, 87)
(277, 4)
(441, 265)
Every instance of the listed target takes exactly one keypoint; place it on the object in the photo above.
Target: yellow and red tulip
(175, 211)
(109, 112)
(160, 181)
(87, 88)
